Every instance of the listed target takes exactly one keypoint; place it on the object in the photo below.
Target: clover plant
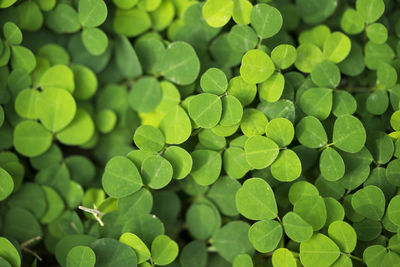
(199, 133)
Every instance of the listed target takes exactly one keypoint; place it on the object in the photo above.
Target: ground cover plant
(199, 133)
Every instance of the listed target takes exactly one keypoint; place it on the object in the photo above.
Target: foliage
(199, 133)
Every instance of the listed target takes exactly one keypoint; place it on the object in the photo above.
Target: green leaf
(55, 108)
(22, 57)
(301, 189)
(326, 74)
(253, 122)
(242, 37)
(349, 134)
(393, 210)
(317, 102)
(296, 228)
(377, 102)
(343, 235)
(55, 205)
(7, 3)
(58, 76)
(392, 172)
(205, 109)
(308, 56)
(164, 250)
(313, 210)
(336, 47)
(266, 20)
(343, 103)
(352, 22)
(214, 81)
(381, 146)
(156, 172)
(9, 252)
(284, 56)
(235, 163)
(232, 111)
(271, 89)
(391, 259)
(149, 138)
(67, 243)
(311, 133)
(241, 11)
(12, 33)
(7, 184)
(375, 54)
(123, 19)
(395, 120)
(140, 248)
(387, 76)
(243, 260)
(120, 177)
(176, 126)
(284, 258)
(63, 19)
(170, 97)
(370, 10)
(150, 53)
(85, 82)
(206, 166)
(335, 210)
(180, 63)
(180, 160)
(265, 235)
(81, 256)
(280, 130)
(194, 254)
(163, 15)
(31, 138)
(217, 13)
(203, 220)
(140, 202)
(106, 120)
(287, 167)
(243, 91)
(260, 151)
(377, 33)
(367, 229)
(331, 164)
(223, 193)
(95, 41)
(232, 240)
(92, 13)
(373, 255)
(111, 252)
(145, 94)
(125, 58)
(319, 250)
(21, 225)
(31, 196)
(256, 66)
(255, 200)
(208, 139)
(314, 11)
(79, 131)
(369, 202)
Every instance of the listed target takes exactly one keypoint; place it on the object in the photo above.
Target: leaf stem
(355, 257)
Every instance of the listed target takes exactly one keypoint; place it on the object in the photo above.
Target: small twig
(24, 247)
(33, 253)
(95, 213)
(30, 241)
